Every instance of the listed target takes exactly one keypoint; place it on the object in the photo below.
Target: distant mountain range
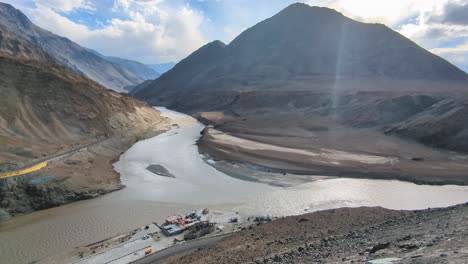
(144, 71)
(20, 37)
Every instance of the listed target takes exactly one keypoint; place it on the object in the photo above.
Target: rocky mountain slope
(113, 75)
(14, 45)
(346, 235)
(46, 110)
(55, 104)
(303, 44)
(442, 125)
(312, 79)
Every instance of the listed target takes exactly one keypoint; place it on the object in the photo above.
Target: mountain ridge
(66, 52)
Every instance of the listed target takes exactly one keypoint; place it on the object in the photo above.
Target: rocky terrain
(46, 110)
(347, 235)
(33, 42)
(314, 80)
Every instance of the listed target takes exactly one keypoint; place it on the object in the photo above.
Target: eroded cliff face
(46, 110)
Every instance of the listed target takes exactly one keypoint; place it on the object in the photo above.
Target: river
(149, 197)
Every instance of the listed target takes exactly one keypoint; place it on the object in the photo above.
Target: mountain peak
(4, 7)
(216, 43)
(211, 48)
(13, 18)
(297, 5)
(307, 10)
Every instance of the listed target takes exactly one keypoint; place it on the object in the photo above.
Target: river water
(149, 197)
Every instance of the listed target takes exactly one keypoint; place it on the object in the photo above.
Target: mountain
(163, 67)
(301, 42)
(49, 109)
(61, 50)
(141, 70)
(54, 104)
(312, 79)
(13, 45)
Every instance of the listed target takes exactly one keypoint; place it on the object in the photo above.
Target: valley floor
(346, 235)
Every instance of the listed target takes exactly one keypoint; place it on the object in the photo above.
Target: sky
(160, 31)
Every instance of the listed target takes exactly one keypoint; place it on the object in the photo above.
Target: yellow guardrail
(24, 171)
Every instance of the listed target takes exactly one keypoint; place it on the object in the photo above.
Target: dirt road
(180, 249)
(37, 165)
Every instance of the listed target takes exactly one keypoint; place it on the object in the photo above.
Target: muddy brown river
(149, 197)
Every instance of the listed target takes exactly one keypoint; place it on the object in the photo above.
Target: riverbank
(346, 235)
(80, 175)
(335, 152)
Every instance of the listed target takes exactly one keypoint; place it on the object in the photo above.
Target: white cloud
(433, 35)
(152, 33)
(391, 13)
(457, 54)
(58, 24)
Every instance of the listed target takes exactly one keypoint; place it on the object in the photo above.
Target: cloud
(434, 35)
(390, 13)
(150, 32)
(452, 13)
(454, 53)
(49, 19)
(457, 55)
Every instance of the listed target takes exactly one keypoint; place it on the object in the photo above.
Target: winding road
(38, 165)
